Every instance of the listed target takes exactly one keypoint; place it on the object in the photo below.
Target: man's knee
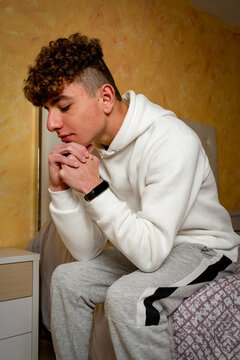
(60, 275)
(112, 300)
(70, 275)
(116, 301)
(74, 275)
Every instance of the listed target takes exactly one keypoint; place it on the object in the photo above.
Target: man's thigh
(102, 270)
(183, 260)
(138, 291)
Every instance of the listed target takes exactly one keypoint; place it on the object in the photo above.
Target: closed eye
(65, 108)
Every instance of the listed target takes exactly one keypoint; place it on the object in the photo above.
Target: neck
(114, 122)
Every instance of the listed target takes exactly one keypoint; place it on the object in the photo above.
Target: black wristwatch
(96, 191)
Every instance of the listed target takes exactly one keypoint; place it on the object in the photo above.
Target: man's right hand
(59, 156)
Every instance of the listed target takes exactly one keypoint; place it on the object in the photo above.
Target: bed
(205, 326)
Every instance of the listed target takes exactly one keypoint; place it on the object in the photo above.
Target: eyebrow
(59, 98)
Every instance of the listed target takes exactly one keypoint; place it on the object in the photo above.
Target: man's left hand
(84, 178)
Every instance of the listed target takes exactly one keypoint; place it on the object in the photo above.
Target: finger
(79, 151)
(82, 157)
(90, 149)
(71, 148)
(74, 159)
(60, 148)
(60, 159)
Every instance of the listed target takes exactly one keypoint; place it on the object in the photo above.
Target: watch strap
(96, 191)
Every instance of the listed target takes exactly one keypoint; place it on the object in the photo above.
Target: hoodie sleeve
(80, 234)
(173, 179)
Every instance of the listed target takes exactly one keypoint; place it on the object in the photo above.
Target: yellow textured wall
(176, 54)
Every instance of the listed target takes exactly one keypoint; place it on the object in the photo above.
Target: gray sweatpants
(137, 304)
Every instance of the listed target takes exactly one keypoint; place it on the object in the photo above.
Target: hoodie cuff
(63, 200)
(102, 205)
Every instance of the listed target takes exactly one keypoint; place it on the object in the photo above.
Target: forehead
(69, 92)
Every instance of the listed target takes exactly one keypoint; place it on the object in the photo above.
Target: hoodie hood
(140, 115)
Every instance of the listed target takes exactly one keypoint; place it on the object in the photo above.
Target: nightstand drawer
(15, 280)
(16, 317)
(19, 293)
(16, 348)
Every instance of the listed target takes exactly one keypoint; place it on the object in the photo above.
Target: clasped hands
(73, 165)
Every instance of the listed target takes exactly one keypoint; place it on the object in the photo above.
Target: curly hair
(64, 61)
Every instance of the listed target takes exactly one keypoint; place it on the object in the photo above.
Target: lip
(65, 138)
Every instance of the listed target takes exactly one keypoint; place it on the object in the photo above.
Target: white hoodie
(162, 193)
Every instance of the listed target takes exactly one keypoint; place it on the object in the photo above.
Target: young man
(150, 191)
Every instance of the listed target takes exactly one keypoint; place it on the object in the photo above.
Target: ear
(106, 94)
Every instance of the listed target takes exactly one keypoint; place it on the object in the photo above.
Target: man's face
(75, 116)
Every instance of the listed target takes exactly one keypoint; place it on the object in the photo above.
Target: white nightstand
(19, 296)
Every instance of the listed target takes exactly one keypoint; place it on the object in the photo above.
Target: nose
(54, 121)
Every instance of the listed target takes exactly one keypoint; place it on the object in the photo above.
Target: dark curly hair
(64, 61)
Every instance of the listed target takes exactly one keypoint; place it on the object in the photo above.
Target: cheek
(96, 119)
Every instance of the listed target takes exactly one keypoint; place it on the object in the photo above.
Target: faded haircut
(63, 61)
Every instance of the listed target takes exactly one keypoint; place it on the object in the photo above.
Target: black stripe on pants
(152, 314)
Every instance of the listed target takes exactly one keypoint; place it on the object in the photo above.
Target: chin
(84, 143)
